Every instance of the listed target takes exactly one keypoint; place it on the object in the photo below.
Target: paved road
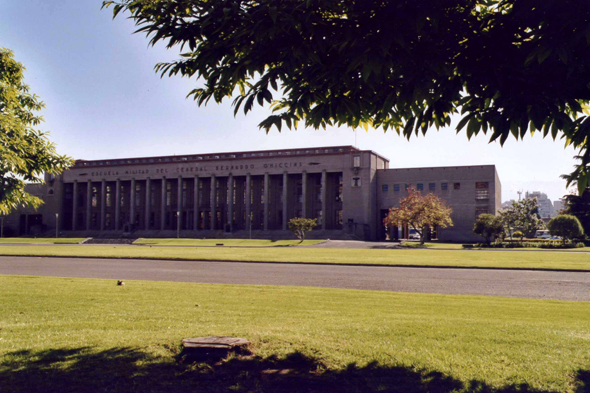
(523, 284)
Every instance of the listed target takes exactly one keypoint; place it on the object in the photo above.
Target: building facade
(249, 194)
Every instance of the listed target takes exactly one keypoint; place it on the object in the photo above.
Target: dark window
(384, 188)
(420, 186)
(432, 186)
(481, 210)
(457, 186)
(407, 186)
(396, 187)
(444, 186)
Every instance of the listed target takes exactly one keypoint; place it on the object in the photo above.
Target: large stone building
(348, 190)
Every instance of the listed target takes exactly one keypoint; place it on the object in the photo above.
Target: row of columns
(213, 204)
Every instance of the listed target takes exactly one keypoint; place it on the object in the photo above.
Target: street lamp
(56, 224)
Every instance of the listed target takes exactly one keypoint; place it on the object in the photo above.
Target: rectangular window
(384, 188)
(481, 210)
(407, 186)
(482, 185)
(432, 186)
(457, 186)
(356, 161)
(94, 197)
(420, 186)
(482, 194)
(108, 197)
(396, 187)
(339, 217)
(444, 186)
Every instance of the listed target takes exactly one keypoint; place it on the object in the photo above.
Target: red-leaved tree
(420, 212)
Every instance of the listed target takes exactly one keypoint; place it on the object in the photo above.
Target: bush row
(546, 244)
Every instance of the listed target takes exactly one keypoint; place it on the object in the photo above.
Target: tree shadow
(132, 370)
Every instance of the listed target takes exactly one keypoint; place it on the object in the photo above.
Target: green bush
(543, 244)
(566, 226)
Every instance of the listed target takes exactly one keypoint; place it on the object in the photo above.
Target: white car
(413, 235)
(543, 234)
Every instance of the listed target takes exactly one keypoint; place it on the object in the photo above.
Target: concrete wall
(461, 200)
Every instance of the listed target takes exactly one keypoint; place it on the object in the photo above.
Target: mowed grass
(40, 240)
(459, 258)
(225, 242)
(81, 335)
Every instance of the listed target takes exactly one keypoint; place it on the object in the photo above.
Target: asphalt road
(512, 283)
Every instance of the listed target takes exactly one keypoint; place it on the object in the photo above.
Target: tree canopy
(25, 153)
(507, 67)
(566, 226)
(522, 216)
(488, 226)
(579, 206)
(420, 212)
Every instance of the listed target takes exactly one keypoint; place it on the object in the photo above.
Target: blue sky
(105, 101)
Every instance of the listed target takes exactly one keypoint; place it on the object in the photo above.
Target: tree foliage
(522, 216)
(25, 153)
(579, 206)
(300, 226)
(566, 226)
(420, 212)
(488, 226)
(508, 67)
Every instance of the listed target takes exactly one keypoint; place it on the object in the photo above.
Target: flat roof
(311, 151)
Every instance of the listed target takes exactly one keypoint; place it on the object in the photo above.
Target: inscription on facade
(197, 169)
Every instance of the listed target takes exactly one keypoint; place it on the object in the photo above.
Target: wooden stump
(214, 346)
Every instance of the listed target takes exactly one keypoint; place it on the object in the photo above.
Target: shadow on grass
(131, 370)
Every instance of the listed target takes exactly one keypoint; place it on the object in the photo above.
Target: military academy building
(253, 193)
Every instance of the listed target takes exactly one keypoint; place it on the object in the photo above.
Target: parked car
(413, 235)
(542, 234)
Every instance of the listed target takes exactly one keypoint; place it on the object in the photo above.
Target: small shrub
(518, 234)
(566, 226)
(300, 226)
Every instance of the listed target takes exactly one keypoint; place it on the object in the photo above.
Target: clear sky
(105, 101)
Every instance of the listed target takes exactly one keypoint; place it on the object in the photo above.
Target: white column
(230, 202)
(248, 201)
(285, 200)
(74, 205)
(88, 205)
(213, 202)
(266, 189)
(118, 205)
(163, 205)
(304, 194)
(148, 202)
(196, 203)
(132, 207)
(103, 189)
(179, 205)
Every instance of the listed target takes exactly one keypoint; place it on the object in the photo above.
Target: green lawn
(463, 258)
(84, 335)
(41, 240)
(225, 242)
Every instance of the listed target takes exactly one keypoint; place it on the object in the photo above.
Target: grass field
(40, 240)
(225, 242)
(82, 335)
(489, 259)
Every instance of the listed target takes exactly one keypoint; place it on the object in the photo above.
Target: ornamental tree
(420, 212)
(522, 216)
(25, 153)
(507, 67)
(579, 206)
(300, 226)
(566, 226)
(488, 226)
